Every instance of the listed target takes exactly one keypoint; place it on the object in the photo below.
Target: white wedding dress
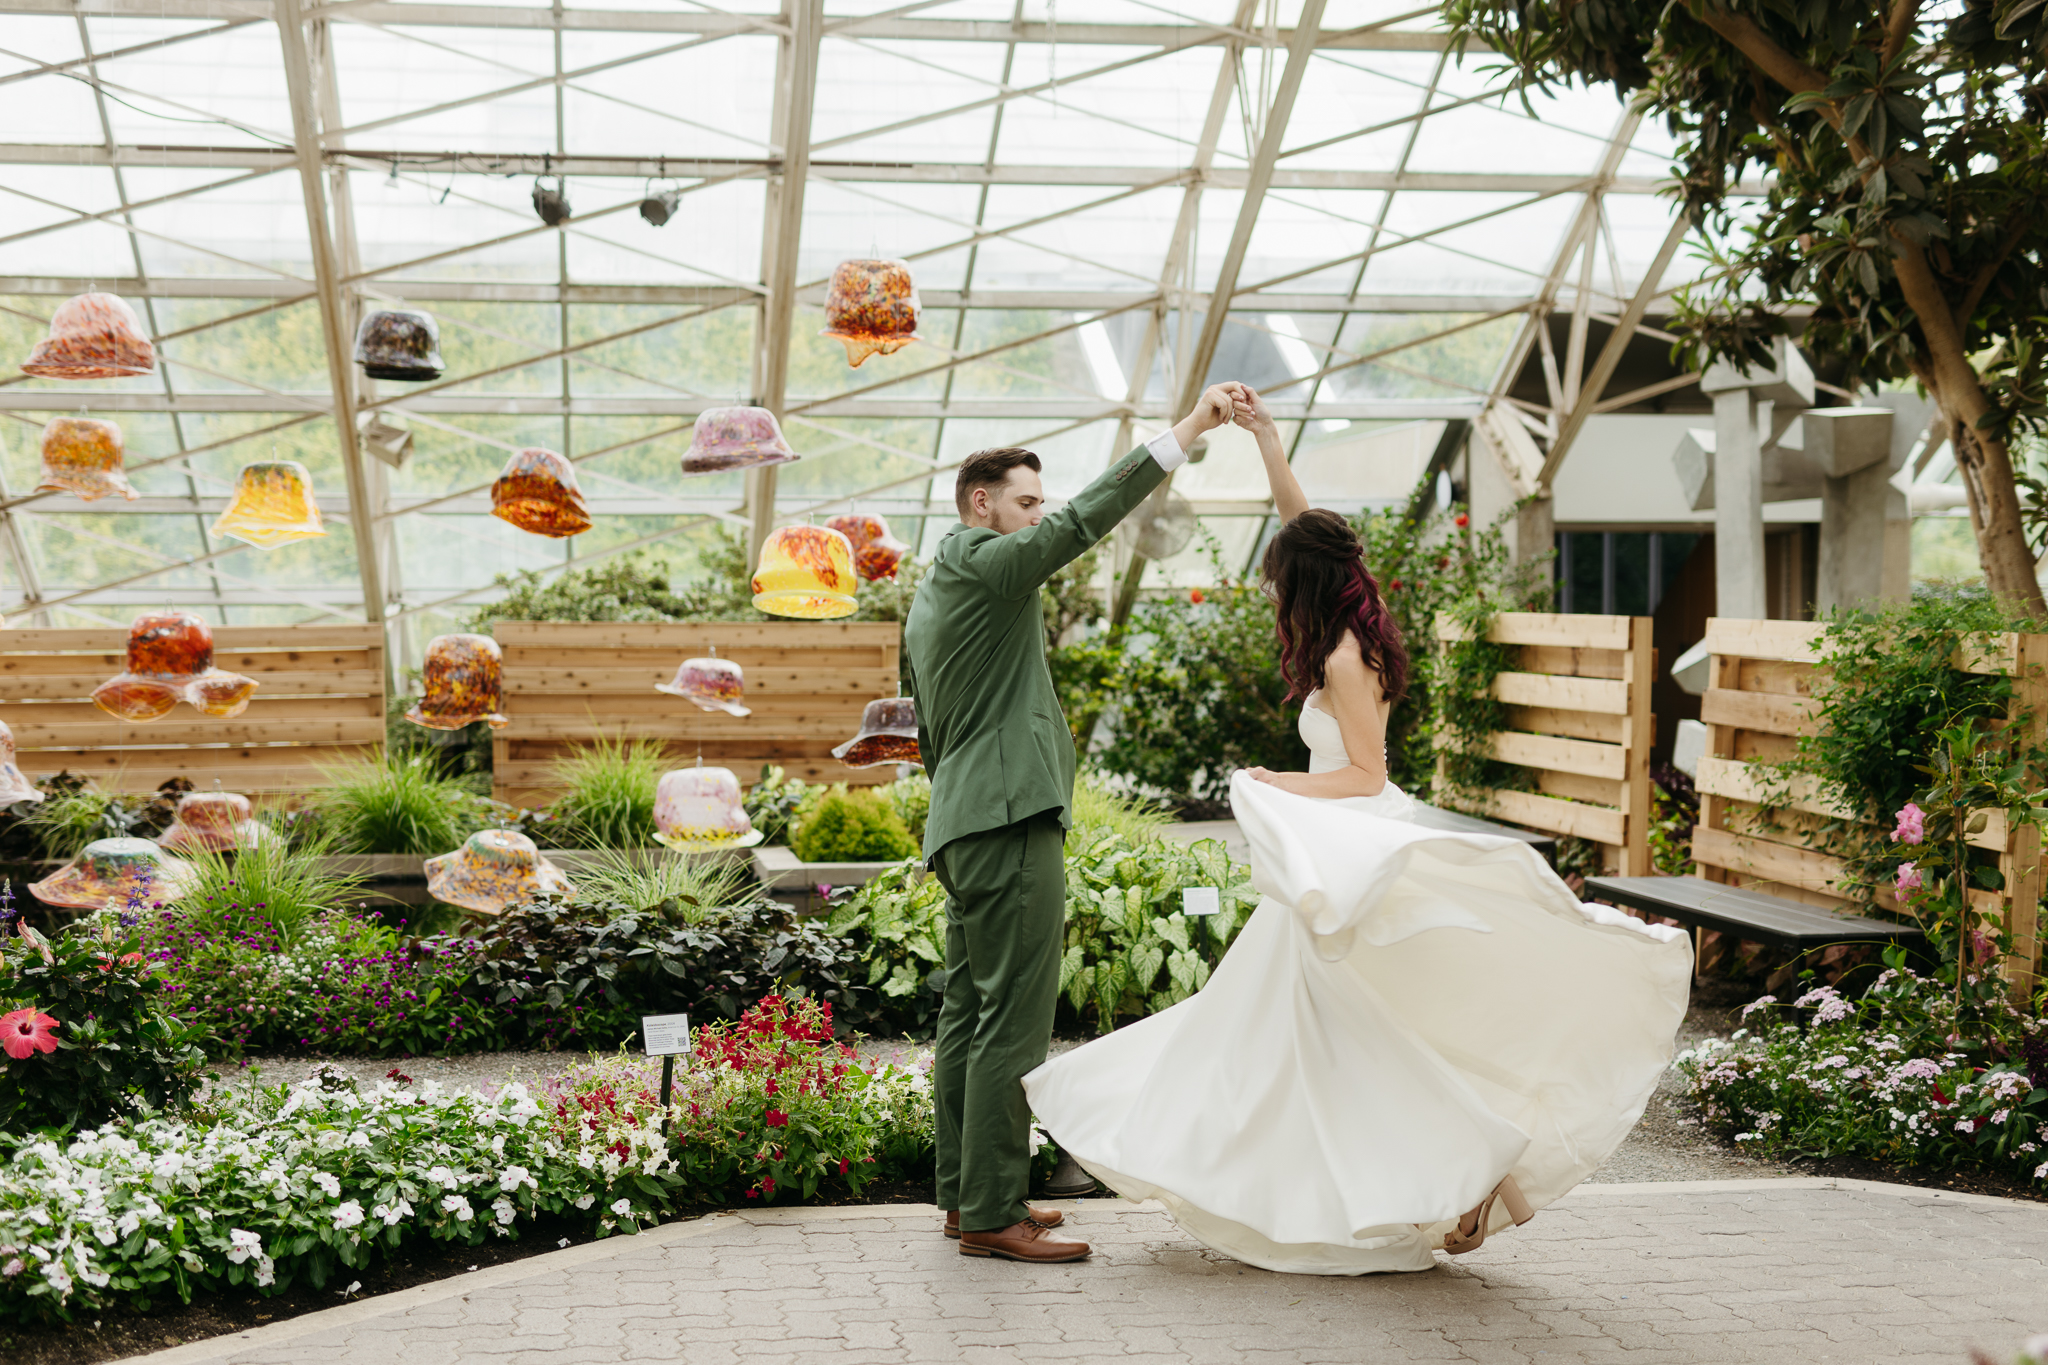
(1408, 1016)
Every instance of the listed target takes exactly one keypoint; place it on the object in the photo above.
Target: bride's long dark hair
(1315, 573)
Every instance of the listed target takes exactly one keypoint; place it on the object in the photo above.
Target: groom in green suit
(1001, 760)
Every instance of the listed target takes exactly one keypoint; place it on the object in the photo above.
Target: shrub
(269, 885)
(396, 805)
(609, 801)
(670, 887)
(773, 802)
(73, 813)
(912, 799)
(853, 827)
(1097, 807)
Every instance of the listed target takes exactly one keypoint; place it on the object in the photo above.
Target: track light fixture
(659, 208)
(551, 204)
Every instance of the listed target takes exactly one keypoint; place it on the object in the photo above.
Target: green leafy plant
(608, 801)
(395, 804)
(74, 812)
(912, 799)
(270, 884)
(853, 827)
(671, 887)
(772, 803)
(1098, 807)
(897, 923)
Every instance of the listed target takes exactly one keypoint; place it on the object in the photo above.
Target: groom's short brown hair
(988, 469)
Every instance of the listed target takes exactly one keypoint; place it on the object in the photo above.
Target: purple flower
(1912, 826)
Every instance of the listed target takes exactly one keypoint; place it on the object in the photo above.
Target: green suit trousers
(1005, 916)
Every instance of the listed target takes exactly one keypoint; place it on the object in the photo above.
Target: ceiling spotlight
(387, 437)
(659, 208)
(551, 204)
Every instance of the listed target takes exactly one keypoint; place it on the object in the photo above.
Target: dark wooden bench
(1745, 914)
(1451, 822)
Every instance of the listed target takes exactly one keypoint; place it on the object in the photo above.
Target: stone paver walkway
(1710, 1273)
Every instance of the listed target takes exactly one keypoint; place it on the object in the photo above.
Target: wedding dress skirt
(1408, 1016)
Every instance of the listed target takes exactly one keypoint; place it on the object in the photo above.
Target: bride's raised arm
(1251, 414)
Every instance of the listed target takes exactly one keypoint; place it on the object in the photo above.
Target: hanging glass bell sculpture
(876, 553)
(888, 734)
(806, 572)
(170, 659)
(399, 343)
(713, 684)
(83, 455)
(538, 493)
(464, 681)
(14, 783)
(92, 336)
(871, 307)
(735, 438)
(494, 869)
(700, 808)
(273, 505)
(111, 872)
(213, 822)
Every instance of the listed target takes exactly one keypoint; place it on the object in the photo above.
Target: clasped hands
(1231, 402)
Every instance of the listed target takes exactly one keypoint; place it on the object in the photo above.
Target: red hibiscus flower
(23, 1033)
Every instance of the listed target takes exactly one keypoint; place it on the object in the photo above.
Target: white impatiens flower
(328, 1183)
(459, 1206)
(622, 1207)
(391, 1215)
(444, 1177)
(266, 1272)
(348, 1215)
(502, 1207)
(242, 1245)
(585, 1201)
(514, 1177)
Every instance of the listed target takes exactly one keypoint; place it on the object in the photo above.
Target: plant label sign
(1200, 900)
(665, 1035)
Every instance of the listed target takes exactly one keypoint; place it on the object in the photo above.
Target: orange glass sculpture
(888, 734)
(493, 869)
(14, 783)
(724, 439)
(713, 684)
(170, 659)
(213, 822)
(464, 681)
(83, 455)
(700, 808)
(399, 343)
(806, 572)
(92, 336)
(273, 505)
(871, 307)
(876, 553)
(110, 872)
(538, 493)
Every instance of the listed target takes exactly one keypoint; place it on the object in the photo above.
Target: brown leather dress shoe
(1025, 1241)
(1045, 1218)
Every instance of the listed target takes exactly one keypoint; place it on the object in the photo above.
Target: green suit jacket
(990, 729)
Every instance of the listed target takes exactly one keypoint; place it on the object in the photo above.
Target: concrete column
(1738, 508)
(1852, 538)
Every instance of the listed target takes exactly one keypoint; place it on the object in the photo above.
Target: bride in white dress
(1418, 1038)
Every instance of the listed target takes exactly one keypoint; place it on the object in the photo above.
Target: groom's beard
(1003, 520)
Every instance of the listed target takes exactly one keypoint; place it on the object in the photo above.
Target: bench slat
(1746, 914)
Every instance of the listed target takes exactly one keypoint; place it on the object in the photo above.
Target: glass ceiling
(1068, 183)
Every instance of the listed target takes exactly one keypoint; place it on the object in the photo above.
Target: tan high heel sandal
(1470, 1234)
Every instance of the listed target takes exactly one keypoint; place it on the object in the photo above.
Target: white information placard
(665, 1035)
(1200, 900)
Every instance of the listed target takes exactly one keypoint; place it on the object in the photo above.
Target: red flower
(1935, 1091)
(1195, 596)
(770, 1087)
(24, 1033)
(844, 1165)
(1463, 519)
(1394, 586)
(776, 1118)
(768, 1184)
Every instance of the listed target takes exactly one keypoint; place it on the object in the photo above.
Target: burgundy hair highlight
(1315, 572)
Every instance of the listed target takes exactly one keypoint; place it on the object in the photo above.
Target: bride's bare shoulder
(1346, 673)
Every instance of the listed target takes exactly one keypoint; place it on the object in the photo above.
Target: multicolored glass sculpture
(871, 307)
(888, 734)
(724, 439)
(273, 505)
(538, 493)
(806, 572)
(399, 343)
(92, 336)
(713, 684)
(109, 872)
(700, 808)
(84, 455)
(14, 783)
(170, 659)
(213, 822)
(876, 553)
(464, 682)
(493, 869)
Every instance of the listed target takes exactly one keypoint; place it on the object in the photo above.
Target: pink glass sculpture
(806, 572)
(109, 871)
(92, 336)
(399, 343)
(713, 684)
(735, 438)
(170, 659)
(876, 553)
(700, 808)
(84, 455)
(213, 822)
(464, 682)
(14, 783)
(494, 869)
(871, 307)
(538, 493)
(888, 734)
(273, 505)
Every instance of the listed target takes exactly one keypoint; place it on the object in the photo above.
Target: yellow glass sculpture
(464, 681)
(888, 734)
(92, 336)
(14, 783)
(538, 493)
(493, 869)
(724, 439)
(109, 872)
(806, 572)
(871, 307)
(84, 455)
(713, 684)
(213, 822)
(876, 553)
(273, 505)
(700, 808)
(170, 659)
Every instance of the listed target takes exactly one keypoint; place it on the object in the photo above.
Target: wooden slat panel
(1766, 859)
(256, 663)
(1601, 824)
(1577, 663)
(749, 658)
(540, 776)
(360, 636)
(1758, 746)
(167, 736)
(1563, 755)
(1600, 791)
(639, 683)
(74, 714)
(1740, 782)
(1543, 720)
(1545, 628)
(1767, 711)
(1989, 653)
(1562, 693)
(690, 634)
(1774, 675)
(77, 686)
(253, 756)
(1791, 641)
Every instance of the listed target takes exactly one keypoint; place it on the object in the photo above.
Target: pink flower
(1912, 825)
(24, 1033)
(776, 1118)
(1908, 880)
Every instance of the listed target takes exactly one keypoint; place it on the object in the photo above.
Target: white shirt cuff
(1166, 450)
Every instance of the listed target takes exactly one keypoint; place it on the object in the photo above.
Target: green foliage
(669, 886)
(1085, 662)
(270, 884)
(897, 923)
(463, 757)
(1098, 807)
(74, 812)
(853, 827)
(1674, 812)
(396, 804)
(608, 801)
(912, 798)
(772, 803)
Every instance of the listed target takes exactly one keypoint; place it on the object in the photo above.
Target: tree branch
(1781, 66)
(1982, 280)
(1898, 28)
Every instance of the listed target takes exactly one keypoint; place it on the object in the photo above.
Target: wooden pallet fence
(1579, 712)
(1758, 829)
(569, 682)
(321, 703)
